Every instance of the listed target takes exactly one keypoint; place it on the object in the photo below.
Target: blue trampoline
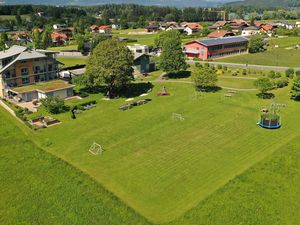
(270, 121)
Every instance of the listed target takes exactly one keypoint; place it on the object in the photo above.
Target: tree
(45, 39)
(256, 44)
(54, 104)
(295, 93)
(142, 22)
(172, 58)
(36, 38)
(18, 19)
(111, 63)
(205, 77)
(3, 39)
(263, 84)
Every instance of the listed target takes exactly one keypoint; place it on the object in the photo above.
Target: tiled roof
(219, 33)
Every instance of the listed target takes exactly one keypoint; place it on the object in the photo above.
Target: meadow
(283, 55)
(39, 188)
(161, 167)
(72, 61)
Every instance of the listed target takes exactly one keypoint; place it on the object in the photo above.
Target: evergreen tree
(172, 58)
(45, 40)
(36, 39)
(111, 64)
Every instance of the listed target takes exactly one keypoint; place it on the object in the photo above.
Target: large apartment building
(21, 66)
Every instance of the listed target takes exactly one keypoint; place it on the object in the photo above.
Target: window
(50, 67)
(25, 80)
(7, 74)
(24, 72)
(23, 61)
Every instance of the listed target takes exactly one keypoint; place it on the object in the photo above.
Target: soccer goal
(96, 149)
(177, 116)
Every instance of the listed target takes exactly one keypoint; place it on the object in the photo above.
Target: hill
(178, 3)
(268, 3)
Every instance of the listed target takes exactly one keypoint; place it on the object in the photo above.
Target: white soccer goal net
(96, 149)
(177, 116)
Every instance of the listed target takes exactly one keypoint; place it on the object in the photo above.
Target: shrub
(54, 104)
(290, 73)
(272, 74)
(225, 68)
(219, 67)
(277, 75)
(244, 72)
(298, 72)
(282, 82)
(234, 73)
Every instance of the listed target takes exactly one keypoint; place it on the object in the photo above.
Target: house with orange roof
(59, 38)
(267, 29)
(220, 34)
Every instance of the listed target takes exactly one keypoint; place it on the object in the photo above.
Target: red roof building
(220, 34)
(59, 38)
(216, 47)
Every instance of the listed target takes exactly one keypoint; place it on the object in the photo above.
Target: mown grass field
(280, 56)
(38, 188)
(13, 17)
(163, 168)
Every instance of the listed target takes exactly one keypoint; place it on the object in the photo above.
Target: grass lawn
(38, 188)
(13, 17)
(72, 61)
(268, 193)
(62, 48)
(273, 56)
(163, 168)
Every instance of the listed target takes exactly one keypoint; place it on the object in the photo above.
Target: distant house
(104, 29)
(59, 26)
(285, 25)
(191, 28)
(142, 61)
(220, 24)
(152, 28)
(115, 26)
(166, 25)
(216, 47)
(59, 38)
(100, 29)
(220, 34)
(249, 31)
(298, 23)
(267, 29)
(94, 28)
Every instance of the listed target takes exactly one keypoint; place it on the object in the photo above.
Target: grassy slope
(161, 167)
(37, 188)
(273, 56)
(268, 193)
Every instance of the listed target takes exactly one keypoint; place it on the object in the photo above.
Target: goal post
(96, 149)
(177, 116)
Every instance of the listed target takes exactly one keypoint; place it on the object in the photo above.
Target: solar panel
(220, 41)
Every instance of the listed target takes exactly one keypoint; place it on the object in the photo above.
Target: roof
(220, 23)
(58, 35)
(24, 56)
(251, 28)
(220, 41)
(193, 26)
(267, 27)
(44, 87)
(12, 51)
(93, 27)
(219, 33)
(104, 27)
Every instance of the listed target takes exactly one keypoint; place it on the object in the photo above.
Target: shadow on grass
(179, 75)
(266, 95)
(209, 89)
(128, 91)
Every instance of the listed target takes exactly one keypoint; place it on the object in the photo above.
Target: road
(245, 66)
